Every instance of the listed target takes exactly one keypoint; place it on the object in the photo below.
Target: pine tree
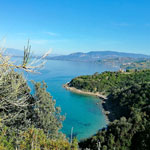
(19, 109)
(46, 116)
(14, 100)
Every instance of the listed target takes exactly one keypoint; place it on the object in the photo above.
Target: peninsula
(127, 101)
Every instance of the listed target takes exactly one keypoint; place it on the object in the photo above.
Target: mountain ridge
(97, 55)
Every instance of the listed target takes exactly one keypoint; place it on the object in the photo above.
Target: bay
(81, 111)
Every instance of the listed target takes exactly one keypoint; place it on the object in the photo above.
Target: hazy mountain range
(98, 55)
(13, 52)
(86, 57)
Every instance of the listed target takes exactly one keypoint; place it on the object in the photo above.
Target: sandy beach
(72, 89)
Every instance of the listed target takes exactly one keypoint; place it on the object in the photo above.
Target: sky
(68, 26)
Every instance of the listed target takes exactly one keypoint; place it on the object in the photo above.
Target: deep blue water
(82, 112)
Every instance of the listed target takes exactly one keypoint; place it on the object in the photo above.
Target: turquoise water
(82, 112)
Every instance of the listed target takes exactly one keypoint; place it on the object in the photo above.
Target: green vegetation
(132, 131)
(33, 122)
(109, 82)
(28, 121)
(32, 139)
(129, 102)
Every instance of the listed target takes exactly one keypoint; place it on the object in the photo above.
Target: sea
(83, 113)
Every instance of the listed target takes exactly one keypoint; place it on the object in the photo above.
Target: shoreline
(75, 90)
(103, 99)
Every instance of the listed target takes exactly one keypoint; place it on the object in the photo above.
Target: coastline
(103, 98)
(73, 89)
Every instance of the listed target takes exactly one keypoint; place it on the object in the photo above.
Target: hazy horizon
(68, 26)
(80, 52)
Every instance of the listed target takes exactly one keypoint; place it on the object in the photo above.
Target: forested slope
(28, 121)
(131, 106)
(108, 82)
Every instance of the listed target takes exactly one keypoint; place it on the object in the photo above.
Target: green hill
(109, 82)
(128, 101)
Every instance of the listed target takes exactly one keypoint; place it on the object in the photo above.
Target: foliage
(133, 99)
(46, 115)
(35, 139)
(32, 139)
(15, 99)
(109, 82)
(130, 132)
(28, 121)
(20, 110)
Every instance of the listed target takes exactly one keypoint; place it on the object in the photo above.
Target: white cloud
(51, 33)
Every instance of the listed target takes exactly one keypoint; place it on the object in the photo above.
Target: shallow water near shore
(82, 111)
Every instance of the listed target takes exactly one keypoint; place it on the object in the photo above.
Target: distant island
(112, 58)
(94, 56)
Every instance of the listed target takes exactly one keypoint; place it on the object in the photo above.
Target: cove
(81, 111)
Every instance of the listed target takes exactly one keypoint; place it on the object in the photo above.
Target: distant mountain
(14, 52)
(97, 55)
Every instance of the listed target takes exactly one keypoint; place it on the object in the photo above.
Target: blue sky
(69, 26)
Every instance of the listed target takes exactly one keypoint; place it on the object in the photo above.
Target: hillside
(129, 102)
(109, 82)
(139, 65)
